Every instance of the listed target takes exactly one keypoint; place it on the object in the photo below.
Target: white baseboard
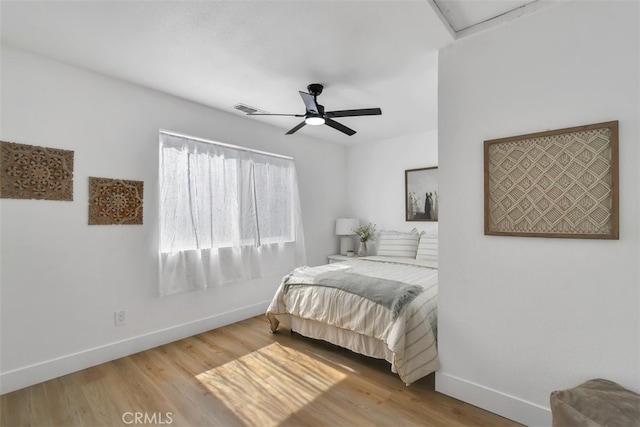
(43, 371)
(522, 411)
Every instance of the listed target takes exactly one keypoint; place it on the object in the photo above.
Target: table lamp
(345, 228)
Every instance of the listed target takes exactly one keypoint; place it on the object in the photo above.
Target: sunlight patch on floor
(268, 385)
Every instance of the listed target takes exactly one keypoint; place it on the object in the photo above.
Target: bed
(380, 306)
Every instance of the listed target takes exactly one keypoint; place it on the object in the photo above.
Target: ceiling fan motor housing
(315, 89)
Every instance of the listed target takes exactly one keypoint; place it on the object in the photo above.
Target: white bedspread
(411, 337)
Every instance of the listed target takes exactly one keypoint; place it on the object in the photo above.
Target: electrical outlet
(121, 317)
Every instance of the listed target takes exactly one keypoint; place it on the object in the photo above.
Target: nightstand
(340, 258)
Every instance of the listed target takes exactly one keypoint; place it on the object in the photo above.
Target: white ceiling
(261, 53)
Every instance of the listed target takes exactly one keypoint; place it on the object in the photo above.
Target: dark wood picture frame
(421, 194)
(559, 183)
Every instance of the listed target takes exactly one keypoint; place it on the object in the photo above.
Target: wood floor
(239, 375)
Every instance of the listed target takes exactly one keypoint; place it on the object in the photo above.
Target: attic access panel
(464, 14)
(560, 183)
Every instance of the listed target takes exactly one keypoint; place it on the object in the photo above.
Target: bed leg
(273, 323)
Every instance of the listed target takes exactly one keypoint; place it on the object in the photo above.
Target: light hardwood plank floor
(240, 375)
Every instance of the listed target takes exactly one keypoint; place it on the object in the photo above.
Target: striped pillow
(397, 244)
(428, 247)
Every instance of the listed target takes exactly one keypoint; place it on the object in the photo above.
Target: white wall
(62, 280)
(520, 317)
(375, 170)
(375, 173)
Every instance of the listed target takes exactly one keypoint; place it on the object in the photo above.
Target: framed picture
(559, 183)
(421, 194)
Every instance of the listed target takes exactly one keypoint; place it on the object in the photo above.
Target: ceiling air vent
(247, 109)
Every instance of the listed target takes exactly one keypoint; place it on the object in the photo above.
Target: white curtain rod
(222, 144)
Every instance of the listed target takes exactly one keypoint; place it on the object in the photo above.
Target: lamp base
(346, 244)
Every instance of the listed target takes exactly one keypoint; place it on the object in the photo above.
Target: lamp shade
(346, 226)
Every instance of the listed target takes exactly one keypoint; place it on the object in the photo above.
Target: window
(227, 214)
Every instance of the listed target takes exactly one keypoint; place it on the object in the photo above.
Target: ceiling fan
(315, 114)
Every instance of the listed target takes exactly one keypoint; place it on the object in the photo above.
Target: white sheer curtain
(227, 214)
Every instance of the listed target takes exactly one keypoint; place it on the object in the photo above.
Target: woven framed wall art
(115, 201)
(560, 183)
(32, 172)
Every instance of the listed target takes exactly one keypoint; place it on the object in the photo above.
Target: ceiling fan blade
(353, 113)
(274, 114)
(297, 128)
(338, 126)
(309, 102)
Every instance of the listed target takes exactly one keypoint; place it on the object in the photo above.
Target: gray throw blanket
(388, 293)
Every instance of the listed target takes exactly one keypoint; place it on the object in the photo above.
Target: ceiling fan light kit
(315, 115)
(314, 119)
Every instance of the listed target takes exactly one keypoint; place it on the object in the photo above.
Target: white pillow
(428, 247)
(398, 244)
